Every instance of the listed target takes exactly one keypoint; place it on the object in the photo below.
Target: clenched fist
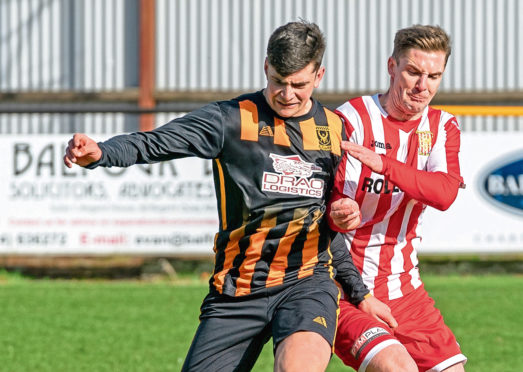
(345, 213)
(81, 150)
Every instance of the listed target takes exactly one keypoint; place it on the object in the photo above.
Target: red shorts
(421, 330)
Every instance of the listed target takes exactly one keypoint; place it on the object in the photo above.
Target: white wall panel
(228, 38)
(96, 123)
(57, 45)
(220, 44)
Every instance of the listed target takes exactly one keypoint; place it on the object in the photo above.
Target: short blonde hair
(424, 37)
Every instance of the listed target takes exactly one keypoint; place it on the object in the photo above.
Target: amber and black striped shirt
(271, 176)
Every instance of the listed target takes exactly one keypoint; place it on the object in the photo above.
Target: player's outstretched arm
(81, 150)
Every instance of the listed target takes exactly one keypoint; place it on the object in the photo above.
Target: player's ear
(319, 76)
(266, 66)
(391, 65)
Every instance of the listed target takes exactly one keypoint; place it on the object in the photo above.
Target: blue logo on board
(501, 183)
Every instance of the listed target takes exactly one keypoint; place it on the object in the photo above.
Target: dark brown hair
(294, 46)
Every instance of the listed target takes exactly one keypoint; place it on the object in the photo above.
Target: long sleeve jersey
(421, 168)
(271, 176)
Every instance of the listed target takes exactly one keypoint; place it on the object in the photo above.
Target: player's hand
(365, 155)
(81, 150)
(374, 307)
(345, 213)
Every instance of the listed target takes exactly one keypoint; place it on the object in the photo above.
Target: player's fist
(81, 150)
(345, 213)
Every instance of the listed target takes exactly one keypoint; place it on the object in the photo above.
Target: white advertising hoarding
(170, 208)
(487, 216)
(165, 208)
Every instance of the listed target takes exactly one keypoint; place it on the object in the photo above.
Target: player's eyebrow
(417, 70)
(296, 84)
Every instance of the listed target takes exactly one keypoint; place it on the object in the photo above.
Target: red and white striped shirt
(421, 167)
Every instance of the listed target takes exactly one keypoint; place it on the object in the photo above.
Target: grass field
(48, 325)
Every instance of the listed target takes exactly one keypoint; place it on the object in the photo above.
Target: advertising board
(164, 208)
(170, 208)
(487, 216)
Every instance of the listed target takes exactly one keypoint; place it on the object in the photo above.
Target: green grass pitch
(79, 326)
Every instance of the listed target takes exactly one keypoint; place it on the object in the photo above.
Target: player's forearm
(437, 189)
(143, 148)
(116, 152)
(346, 272)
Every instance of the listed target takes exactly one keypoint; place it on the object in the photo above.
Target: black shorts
(233, 330)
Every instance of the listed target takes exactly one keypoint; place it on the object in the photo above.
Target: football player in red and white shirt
(401, 158)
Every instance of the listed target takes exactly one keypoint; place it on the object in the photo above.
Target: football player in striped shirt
(274, 153)
(401, 158)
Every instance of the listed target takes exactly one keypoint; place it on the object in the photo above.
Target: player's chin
(288, 110)
(414, 108)
(286, 113)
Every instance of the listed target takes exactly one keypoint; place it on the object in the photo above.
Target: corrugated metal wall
(92, 46)
(209, 44)
(57, 45)
(64, 45)
(56, 123)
